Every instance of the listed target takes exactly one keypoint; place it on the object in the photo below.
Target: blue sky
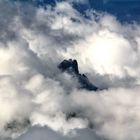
(124, 10)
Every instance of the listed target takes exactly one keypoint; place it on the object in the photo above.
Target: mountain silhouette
(71, 66)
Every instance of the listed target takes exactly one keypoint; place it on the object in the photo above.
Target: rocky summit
(71, 66)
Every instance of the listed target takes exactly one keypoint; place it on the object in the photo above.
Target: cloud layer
(33, 92)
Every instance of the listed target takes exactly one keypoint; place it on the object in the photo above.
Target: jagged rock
(71, 66)
(85, 83)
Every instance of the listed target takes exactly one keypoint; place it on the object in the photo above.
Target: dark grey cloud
(37, 133)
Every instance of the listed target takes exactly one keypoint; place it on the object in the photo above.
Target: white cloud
(79, 1)
(33, 41)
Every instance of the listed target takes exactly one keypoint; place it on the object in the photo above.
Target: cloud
(15, 104)
(34, 93)
(112, 112)
(43, 133)
(79, 1)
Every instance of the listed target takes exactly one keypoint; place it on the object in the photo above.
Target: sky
(40, 102)
(124, 10)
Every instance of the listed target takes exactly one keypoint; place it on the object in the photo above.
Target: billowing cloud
(35, 93)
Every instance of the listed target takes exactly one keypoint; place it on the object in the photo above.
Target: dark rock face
(71, 66)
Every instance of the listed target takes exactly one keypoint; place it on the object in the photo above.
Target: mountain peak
(71, 66)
